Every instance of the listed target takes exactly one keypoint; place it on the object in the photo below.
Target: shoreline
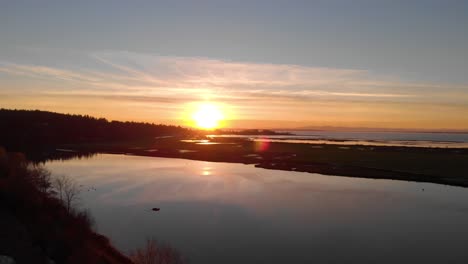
(432, 165)
(330, 170)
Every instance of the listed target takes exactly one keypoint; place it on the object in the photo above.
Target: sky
(266, 64)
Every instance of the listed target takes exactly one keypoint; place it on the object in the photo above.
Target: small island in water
(249, 132)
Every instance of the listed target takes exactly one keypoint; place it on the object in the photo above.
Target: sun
(207, 116)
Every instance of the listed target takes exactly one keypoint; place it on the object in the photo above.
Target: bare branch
(66, 190)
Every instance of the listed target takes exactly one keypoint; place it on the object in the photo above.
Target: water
(412, 139)
(235, 213)
(387, 136)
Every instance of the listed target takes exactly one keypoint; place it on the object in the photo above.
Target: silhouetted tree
(67, 190)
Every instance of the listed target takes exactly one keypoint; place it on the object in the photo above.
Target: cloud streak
(140, 73)
(169, 80)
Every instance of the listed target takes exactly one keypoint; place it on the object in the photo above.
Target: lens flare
(261, 145)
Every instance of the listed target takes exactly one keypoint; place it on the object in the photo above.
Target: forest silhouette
(25, 129)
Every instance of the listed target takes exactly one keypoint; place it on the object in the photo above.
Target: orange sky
(160, 89)
(269, 64)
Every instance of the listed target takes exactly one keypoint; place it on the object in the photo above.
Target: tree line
(27, 128)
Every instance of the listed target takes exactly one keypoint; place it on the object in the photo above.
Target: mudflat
(438, 165)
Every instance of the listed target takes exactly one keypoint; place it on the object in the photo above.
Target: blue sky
(407, 49)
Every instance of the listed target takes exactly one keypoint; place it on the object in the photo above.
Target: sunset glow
(207, 116)
(379, 79)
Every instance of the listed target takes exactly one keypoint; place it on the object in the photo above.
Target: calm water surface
(404, 139)
(235, 213)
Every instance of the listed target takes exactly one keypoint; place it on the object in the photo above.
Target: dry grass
(154, 253)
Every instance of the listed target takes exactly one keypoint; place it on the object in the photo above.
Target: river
(236, 213)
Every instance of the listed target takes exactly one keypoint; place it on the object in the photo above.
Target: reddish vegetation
(154, 253)
(39, 226)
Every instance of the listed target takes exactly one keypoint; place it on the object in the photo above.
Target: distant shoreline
(434, 165)
(321, 168)
(302, 139)
(377, 130)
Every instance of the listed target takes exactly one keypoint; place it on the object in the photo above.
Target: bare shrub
(40, 177)
(154, 253)
(84, 218)
(67, 190)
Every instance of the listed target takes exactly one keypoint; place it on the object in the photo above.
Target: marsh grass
(155, 253)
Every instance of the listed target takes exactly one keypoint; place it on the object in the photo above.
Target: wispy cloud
(150, 79)
(149, 74)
